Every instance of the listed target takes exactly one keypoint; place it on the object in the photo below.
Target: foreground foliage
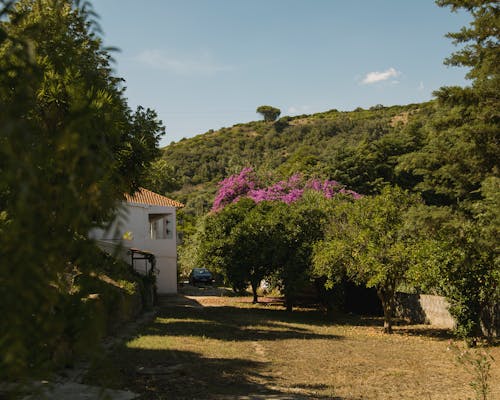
(69, 149)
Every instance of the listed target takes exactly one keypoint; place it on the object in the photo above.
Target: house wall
(134, 218)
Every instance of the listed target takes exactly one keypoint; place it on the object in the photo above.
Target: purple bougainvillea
(329, 188)
(245, 184)
(287, 191)
(233, 188)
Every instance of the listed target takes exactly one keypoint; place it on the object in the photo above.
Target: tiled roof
(144, 196)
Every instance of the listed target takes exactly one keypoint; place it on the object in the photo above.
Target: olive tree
(369, 242)
(237, 241)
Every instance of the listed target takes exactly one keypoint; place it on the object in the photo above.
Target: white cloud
(421, 86)
(298, 110)
(198, 64)
(376, 76)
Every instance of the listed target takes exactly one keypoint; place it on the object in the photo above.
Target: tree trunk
(387, 305)
(254, 291)
(288, 303)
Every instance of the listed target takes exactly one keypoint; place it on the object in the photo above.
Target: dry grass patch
(213, 346)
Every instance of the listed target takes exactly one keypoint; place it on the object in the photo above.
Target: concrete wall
(429, 309)
(424, 309)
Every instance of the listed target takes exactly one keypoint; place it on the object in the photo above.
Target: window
(160, 226)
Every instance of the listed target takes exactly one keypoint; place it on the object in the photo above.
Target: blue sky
(206, 64)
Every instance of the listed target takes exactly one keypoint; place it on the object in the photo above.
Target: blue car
(200, 275)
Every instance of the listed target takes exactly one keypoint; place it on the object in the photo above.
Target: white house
(145, 226)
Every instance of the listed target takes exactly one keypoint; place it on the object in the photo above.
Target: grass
(204, 347)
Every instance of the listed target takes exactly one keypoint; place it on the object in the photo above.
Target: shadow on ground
(205, 290)
(172, 374)
(236, 324)
(400, 326)
(157, 372)
(176, 374)
(426, 331)
(308, 315)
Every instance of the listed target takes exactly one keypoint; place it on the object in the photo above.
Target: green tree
(140, 145)
(238, 242)
(69, 149)
(460, 259)
(459, 151)
(462, 143)
(161, 177)
(369, 242)
(480, 38)
(297, 227)
(269, 113)
(254, 245)
(372, 163)
(215, 243)
(457, 164)
(247, 242)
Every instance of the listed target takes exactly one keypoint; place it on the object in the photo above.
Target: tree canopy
(256, 232)
(369, 242)
(480, 39)
(269, 113)
(457, 167)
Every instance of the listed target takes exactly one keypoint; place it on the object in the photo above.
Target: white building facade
(145, 225)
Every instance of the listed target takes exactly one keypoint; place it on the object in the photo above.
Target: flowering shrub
(233, 188)
(288, 191)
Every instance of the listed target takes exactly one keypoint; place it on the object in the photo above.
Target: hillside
(357, 148)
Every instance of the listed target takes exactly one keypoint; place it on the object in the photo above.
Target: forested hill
(358, 148)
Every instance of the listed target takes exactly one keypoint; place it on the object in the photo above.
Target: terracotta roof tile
(144, 196)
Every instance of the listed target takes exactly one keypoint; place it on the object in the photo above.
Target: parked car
(200, 275)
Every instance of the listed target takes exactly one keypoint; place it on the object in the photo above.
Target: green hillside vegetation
(358, 148)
